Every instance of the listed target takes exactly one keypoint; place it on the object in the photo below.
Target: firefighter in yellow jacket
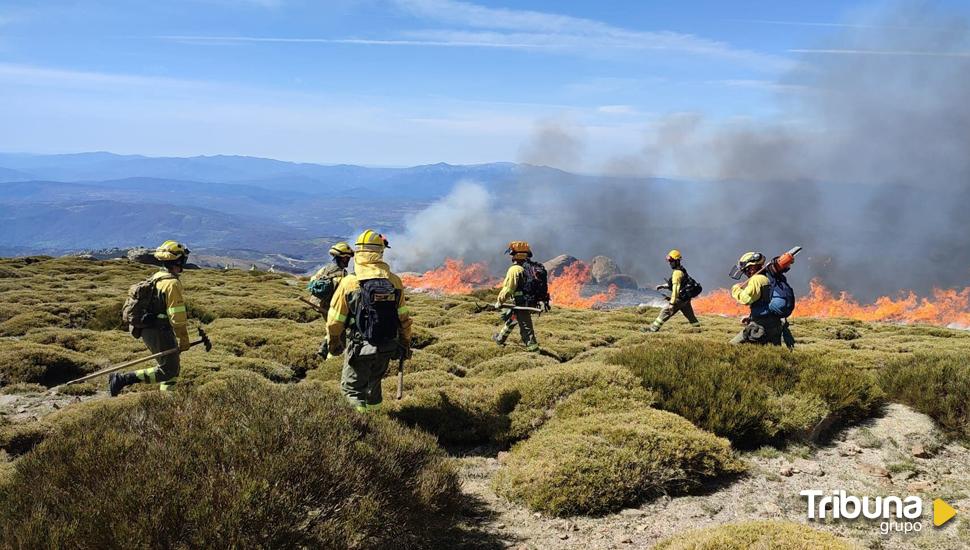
(679, 301)
(325, 281)
(170, 326)
(368, 322)
(514, 287)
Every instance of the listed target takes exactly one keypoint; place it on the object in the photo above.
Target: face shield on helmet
(748, 259)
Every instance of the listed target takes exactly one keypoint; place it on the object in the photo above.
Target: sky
(394, 82)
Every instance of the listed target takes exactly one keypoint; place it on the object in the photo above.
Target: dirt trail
(900, 453)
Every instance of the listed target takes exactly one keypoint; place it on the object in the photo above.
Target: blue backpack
(782, 301)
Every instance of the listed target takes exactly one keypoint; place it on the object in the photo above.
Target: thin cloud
(907, 53)
(830, 25)
(354, 41)
(33, 75)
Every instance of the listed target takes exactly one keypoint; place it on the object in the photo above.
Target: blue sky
(390, 82)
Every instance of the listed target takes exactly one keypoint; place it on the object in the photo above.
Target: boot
(497, 338)
(117, 382)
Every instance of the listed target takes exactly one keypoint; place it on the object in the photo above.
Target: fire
(947, 307)
(455, 277)
(452, 278)
(564, 290)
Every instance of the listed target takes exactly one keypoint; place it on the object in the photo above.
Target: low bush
(19, 324)
(237, 463)
(27, 362)
(601, 462)
(777, 535)
(936, 384)
(752, 394)
(505, 364)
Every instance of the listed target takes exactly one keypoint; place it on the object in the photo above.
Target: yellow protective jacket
(170, 297)
(513, 280)
(676, 278)
(367, 265)
(748, 294)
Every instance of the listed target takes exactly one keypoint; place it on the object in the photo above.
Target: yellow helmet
(674, 255)
(341, 249)
(170, 251)
(519, 250)
(749, 259)
(371, 241)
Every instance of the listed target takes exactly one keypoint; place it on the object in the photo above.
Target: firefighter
(325, 281)
(368, 322)
(526, 283)
(770, 299)
(169, 328)
(682, 290)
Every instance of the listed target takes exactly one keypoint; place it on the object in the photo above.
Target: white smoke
(867, 165)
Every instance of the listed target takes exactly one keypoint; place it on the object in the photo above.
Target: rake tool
(203, 339)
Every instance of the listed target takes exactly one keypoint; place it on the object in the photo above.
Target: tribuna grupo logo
(896, 514)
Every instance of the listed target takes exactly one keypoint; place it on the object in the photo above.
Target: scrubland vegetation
(256, 448)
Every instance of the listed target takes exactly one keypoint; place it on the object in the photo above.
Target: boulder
(556, 265)
(622, 281)
(602, 268)
(143, 256)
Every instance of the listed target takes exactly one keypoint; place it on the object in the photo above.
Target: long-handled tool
(520, 308)
(203, 339)
(318, 308)
(403, 352)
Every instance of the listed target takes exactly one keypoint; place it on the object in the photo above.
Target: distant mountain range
(64, 203)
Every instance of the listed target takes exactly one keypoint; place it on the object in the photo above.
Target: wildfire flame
(564, 289)
(947, 307)
(454, 277)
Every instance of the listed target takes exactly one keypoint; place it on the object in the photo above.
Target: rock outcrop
(621, 281)
(556, 265)
(602, 268)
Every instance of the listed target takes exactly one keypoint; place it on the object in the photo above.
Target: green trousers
(761, 330)
(526, 329)
(361, 378)
(160, 339)
(670, 310)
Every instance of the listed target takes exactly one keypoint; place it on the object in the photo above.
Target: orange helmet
(519, 250)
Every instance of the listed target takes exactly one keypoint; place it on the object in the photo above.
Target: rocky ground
(900, 453)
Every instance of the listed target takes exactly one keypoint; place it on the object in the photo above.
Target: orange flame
(947, 307)
(452, 278)
(564, 290)
(455, 277)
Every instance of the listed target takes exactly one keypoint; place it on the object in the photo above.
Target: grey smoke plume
(867, 165)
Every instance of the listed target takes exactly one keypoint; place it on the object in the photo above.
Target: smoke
(866, 165)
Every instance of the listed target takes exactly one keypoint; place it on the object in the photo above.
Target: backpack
(322, 289)
(689, 288)
(535, 287)
(376, 318)
(782, 297)
(138, 311)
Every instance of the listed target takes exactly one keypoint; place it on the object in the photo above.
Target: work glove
(406, 351)
(546, 307)
(184, 344)
(497, 304)
(745, 320)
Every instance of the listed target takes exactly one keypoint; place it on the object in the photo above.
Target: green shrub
(935, 384)
(751, 394)
(777, 535)
(19, 324)
(27, 362)
(237, 463)
(505, 364)
(601, 462)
